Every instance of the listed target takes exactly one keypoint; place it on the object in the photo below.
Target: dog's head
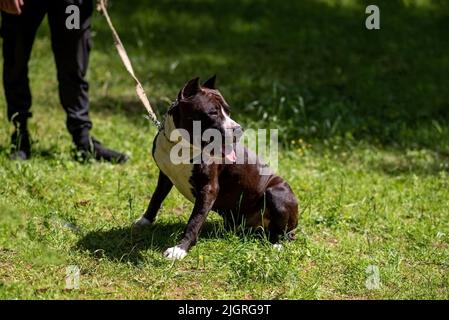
(205, 105)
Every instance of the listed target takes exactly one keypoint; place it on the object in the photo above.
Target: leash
(102, 7)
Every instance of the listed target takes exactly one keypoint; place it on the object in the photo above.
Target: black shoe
(20, 145)
(94, 149)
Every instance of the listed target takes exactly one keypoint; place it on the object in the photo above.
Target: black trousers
(71, 53)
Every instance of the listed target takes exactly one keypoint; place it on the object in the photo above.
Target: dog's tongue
(230, 154)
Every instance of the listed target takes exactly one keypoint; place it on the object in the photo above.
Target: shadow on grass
(46, 154)
(125, 245)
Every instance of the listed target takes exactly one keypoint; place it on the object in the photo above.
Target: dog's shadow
(127, 245)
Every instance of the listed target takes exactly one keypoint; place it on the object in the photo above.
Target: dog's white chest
(179, 174)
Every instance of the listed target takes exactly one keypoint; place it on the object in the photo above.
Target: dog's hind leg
(282, 207)
(164, 185)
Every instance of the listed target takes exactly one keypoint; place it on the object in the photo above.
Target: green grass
(364, 126)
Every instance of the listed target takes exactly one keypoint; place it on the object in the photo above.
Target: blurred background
(308, 67)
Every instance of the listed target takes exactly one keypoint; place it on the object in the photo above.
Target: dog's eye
(213, 113)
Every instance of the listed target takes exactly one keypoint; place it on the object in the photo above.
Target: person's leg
(71, 51)
(71, 48)
(18, 34)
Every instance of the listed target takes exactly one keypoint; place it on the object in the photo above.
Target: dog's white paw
(278, 247)
(175, 253)
(142, 222)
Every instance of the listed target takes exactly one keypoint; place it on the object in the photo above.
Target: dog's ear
(210, 84)
(190, 89)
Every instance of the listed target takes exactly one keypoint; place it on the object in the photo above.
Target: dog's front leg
(203, 204)
(164, 185)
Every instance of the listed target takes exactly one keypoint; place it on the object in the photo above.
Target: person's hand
(11, 6)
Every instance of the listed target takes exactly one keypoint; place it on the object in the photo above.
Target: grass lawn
(363, 118)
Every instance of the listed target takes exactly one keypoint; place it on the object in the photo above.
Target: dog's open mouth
(229, 147)
(227, 151)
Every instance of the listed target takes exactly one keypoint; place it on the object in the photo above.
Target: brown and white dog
(237, 190)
